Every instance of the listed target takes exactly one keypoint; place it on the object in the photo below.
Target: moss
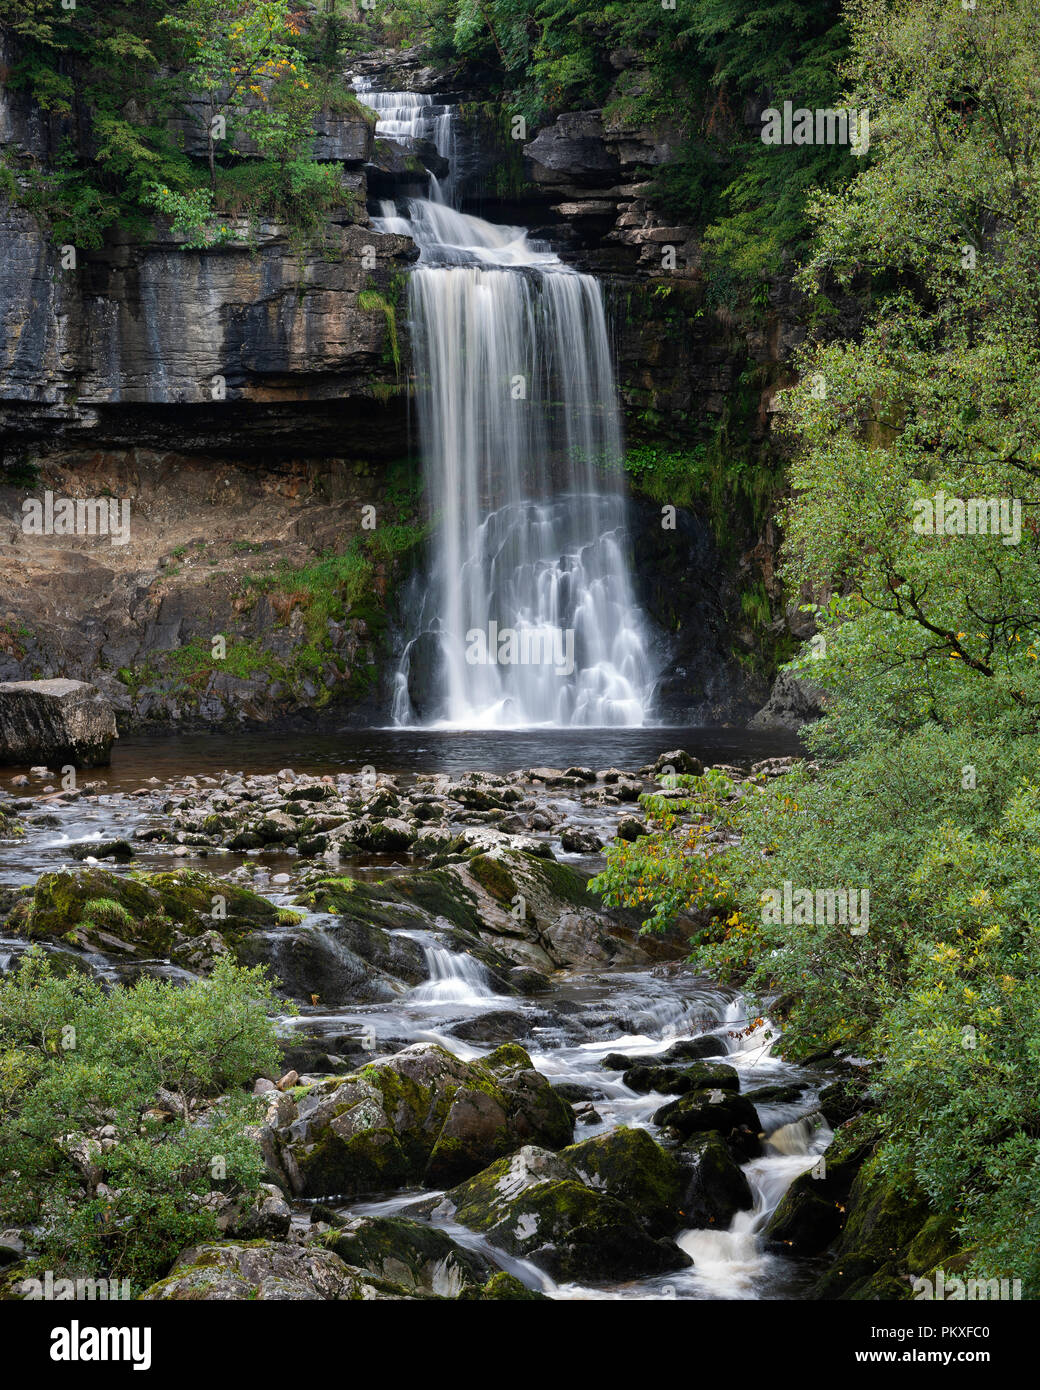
(508, 1057)
(504, 1286)
(440, 892)
(493, 875)
(884, 1217)
(935, 1244)
(107, 911)
(187, 895)
(634, 1169)
(561, 880)
(570, 1229)
(408, 1253)
(60, 903)
(365, 1163)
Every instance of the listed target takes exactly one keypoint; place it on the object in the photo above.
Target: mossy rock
(422, 1116)
(701, 1111)
(504, 1287)
(678, 1081)
(130, 911)
(493, 875)
(411, 1254)
(884, 1216)
(936, 1244)
(188, 896)
(629, 1165)
(372, 1162)
(259, 1269)
(716, 1187)
(329, 895)
(534, 1205)
(812, 1213)
(441, 893)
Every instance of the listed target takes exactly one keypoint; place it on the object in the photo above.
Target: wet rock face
(792, 704)
(55, 721)
(156, 325)
(93, 350)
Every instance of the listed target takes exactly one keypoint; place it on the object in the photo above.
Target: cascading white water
(409, 117)
(455, 978)
(528, 615)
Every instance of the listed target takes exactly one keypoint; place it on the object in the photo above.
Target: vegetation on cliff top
(119, 84)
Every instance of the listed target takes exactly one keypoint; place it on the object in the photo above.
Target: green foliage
(76, 1058)
(373, 302)
(119, 79)
(692, 70)
(926, 786)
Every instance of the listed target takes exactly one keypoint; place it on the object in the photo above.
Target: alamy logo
(821, 126)
(817, 906)
(528, 646)
(77, 516)
(77, 1343)
(972, 516)
(955, 1290)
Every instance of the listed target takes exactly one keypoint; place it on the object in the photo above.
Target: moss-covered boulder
(411, 1254)
(535, 1205)
(261, 1269)
(629, 1165)
(95, 909)
(883, 1219)
(679, 1080)
(698, 1112)
(716, 1188)
(422, 1116)
(501, 1288)
(812, 1213)
(531, 911)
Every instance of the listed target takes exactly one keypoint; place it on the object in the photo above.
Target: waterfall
(527, 615)
(455, 978)
(409, 117)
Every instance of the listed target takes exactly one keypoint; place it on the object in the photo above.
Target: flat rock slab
(56, 722)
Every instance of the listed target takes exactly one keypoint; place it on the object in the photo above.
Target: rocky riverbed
(491, 1086)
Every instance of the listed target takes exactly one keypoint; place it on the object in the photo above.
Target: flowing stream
(568, 1032)
(527, 616)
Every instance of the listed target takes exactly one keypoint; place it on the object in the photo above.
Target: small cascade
(410, 117)
(455, 978)
(528, 616)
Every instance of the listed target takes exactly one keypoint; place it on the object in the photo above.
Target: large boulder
(678, 1080)
(421, 1116)
(186, 915)
(411, 1254)
(261, 1270)
(537, 1205)
(55, 722)
(697, 1112)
